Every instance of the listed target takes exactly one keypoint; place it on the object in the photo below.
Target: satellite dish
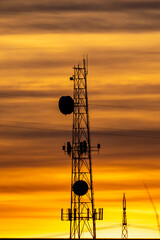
(80, 188)
(66, 105)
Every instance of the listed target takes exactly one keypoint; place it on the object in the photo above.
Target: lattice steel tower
(124, 220)
(82, 214)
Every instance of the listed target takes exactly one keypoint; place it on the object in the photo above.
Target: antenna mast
(124, 220)
(82, 214)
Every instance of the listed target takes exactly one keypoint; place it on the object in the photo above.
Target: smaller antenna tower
(124, 220)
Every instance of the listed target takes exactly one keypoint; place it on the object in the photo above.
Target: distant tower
(124, 220)
(82, 214)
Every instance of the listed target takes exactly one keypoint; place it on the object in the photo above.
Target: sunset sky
(40, 42)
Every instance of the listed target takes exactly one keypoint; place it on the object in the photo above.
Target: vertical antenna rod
(124, 220)
(82, 214)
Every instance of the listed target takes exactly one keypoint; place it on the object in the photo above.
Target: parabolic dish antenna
(80, 188)
(66, 105)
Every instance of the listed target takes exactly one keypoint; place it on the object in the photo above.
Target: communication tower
(82, 214)
(124, 220)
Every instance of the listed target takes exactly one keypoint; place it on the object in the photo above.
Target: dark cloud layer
(87, 6)
(31, 132)
(65, 186)
(128, 89)
(15, 93)
(34, 188)
(79, 16)
(43, 148)
(37, 63)
(113, 58)
(24, 130)
(107, 90)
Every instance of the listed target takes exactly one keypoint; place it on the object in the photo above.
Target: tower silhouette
(124, 220)
(82, 214)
